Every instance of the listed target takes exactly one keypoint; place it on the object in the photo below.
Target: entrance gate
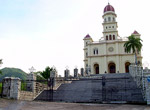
(98, 89)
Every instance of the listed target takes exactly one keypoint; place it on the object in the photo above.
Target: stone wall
(140, 76)
(26, 95)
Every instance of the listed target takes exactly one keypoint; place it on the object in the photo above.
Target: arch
(127, 64)
(112, 67)
(96, 68)
(110, 37)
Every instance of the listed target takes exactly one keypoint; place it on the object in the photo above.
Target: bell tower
(110, 26)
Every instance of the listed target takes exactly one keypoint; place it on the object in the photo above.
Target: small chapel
(107, 55)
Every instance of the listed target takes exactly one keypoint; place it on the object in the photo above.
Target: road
(33, 105)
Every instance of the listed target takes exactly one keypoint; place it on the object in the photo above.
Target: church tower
(110, 26)
(108, 54)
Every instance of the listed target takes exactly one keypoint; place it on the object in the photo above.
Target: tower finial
(108, 2)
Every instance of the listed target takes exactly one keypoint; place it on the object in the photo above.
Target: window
(109, 18)
(139, 62)
(109, 26)
(106, 27)
(110, 37)
(113, 19)
(112, 26)
(95, 51)
(113, 37)
(106, 37)
(105, 20)
(86, 65)
(86, 43)
(86, 54)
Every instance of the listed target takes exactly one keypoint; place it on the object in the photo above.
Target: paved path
(32, 105)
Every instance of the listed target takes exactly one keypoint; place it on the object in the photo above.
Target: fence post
(11, 87)
(53, 77)
(67, 73)
(75, 72)
(31, 82)
(82, 71)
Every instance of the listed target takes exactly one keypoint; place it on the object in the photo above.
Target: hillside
(13, 72)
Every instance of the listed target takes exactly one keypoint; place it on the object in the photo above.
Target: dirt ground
(33, 105)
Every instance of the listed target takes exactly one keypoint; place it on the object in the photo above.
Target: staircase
(118, 88)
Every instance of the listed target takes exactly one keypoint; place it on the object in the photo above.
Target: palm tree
(133, 44)
(46, 72)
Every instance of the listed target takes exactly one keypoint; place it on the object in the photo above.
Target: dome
(87, 36)
(109, 8)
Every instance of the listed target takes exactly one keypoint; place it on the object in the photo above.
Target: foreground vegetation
(0, 88)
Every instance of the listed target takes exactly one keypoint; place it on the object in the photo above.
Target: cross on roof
(67, 67)
(32, 69)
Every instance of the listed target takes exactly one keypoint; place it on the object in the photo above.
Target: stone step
(118, 87)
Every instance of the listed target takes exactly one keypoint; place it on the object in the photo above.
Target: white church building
(108, 54)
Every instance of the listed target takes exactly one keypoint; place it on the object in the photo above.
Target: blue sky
(44, 33)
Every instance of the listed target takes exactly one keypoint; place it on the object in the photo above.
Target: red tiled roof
(135, 32)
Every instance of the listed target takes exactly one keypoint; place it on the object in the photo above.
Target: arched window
(113, 19)
(95, 51)
(86, 54)
(106, 37)
(106, 27)
(110, 37)
(109, 18)
(86, 43)
(105, 20)
(113, 37)
(139, 63)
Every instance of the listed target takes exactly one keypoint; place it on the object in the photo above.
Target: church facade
(108, 54)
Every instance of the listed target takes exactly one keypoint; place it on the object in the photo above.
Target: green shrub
(23, 86)
(0, 88)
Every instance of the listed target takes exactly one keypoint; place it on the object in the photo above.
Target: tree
(133, 44)
(1, 62)
(46, 72)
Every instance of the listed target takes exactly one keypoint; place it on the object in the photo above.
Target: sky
(43, 33)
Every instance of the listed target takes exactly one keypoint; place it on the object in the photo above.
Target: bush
(23, 86)
(0, 88)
